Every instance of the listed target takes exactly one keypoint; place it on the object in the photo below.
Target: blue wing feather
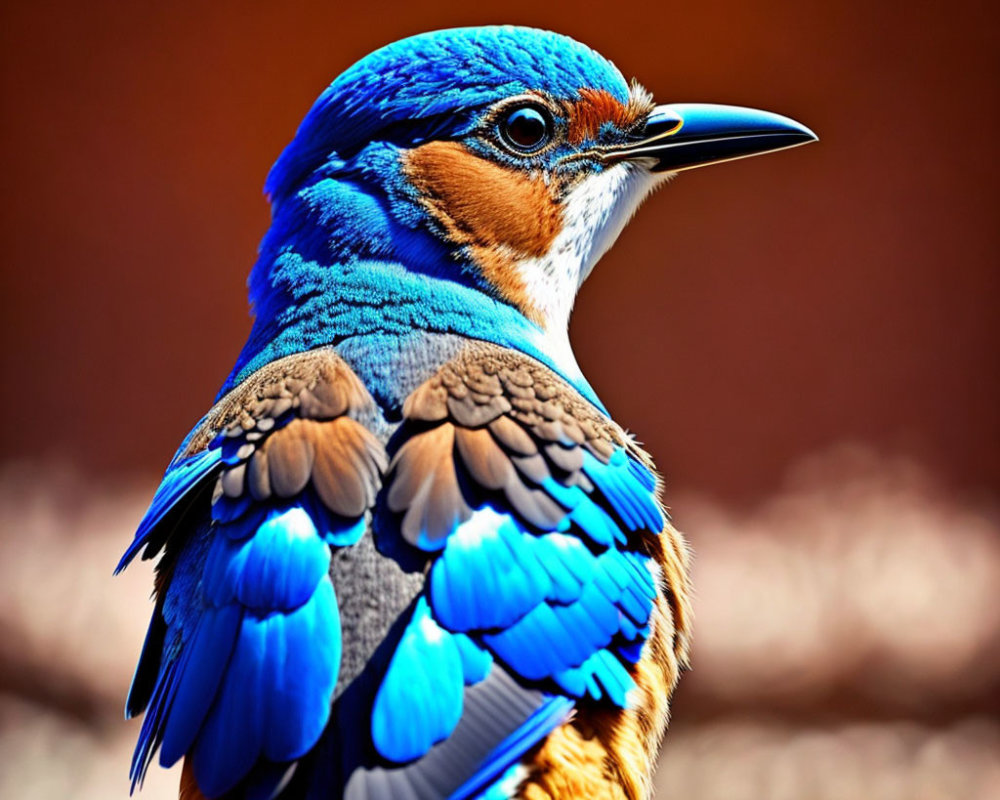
(199, 674)
(420, 700)
(571, 606)
(251, 667)
(476, 661)
(625, 485)
(180, 480)
(549, 716)
(488, 575)
(232, 736)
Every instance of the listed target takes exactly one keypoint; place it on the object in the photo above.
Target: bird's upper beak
(687, 135)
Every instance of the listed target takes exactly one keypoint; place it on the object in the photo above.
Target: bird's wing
(243, 651)
(532, 506)
(525, 509)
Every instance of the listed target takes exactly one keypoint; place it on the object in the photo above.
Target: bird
(408, 553)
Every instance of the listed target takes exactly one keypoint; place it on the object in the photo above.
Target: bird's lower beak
(687, 135)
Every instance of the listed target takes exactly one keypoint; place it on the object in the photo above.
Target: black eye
(526, 129)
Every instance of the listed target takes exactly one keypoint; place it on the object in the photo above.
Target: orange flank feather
(189, 786)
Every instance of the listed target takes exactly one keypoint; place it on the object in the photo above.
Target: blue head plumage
(465, 182)
(357, 246)
(436, 85)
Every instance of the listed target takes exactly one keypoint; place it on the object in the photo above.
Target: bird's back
(497, 562)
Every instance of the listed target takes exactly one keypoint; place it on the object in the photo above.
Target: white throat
(594, 213)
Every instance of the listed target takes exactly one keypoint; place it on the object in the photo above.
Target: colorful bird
(408, 554)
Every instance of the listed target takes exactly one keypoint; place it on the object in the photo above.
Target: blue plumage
(277, 567)
(420, 699)
(489, 574)
(408, 543)
(181, 479)
(476, 661)
(255, 676)
(462, 71)
(628, 490)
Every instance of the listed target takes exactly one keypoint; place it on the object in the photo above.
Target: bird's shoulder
(520, 532)
(299, 420)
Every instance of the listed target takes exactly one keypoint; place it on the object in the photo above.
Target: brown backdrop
(752, 313)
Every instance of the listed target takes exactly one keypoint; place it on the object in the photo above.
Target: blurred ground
(847, 640)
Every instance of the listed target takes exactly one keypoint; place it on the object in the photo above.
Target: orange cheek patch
(498, 215)
(483, 203)
(596, 107)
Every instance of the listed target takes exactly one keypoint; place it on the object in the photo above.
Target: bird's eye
(526, 129)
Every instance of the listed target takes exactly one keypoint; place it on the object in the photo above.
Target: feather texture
(501, 603)
(248, 617)
(532, 505)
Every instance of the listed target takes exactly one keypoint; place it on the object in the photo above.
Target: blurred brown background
(808, 342)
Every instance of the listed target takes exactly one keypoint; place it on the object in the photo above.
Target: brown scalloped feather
(322, 445)
(499, 422)
(317, 383)
(423, 484)
(487, 382)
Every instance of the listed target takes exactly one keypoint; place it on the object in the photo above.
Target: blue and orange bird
(408, 555)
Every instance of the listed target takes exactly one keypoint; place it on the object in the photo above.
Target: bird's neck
(350, 261)
(398, 319)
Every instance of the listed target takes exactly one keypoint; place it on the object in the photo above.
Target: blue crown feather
(461, 71)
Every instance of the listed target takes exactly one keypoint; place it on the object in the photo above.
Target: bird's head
(503, 160)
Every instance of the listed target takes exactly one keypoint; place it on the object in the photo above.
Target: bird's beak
(687, 135)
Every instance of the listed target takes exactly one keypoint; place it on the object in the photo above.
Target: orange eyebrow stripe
(597, 106)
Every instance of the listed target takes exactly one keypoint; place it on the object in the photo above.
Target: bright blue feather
(552, 639)
(275, 699)
(488, 575)
(554, 712)
(585, 513)
(568, 562)
(180, 479)
(150, 734)
(420, 699)
(632, 651)
(254, 649)
(601, 674)
(278, 568)
(501, 788)
(626, 490)
(200, 670)
(476, 661)
(232, 735)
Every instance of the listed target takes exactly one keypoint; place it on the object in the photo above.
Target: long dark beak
(687, 135)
